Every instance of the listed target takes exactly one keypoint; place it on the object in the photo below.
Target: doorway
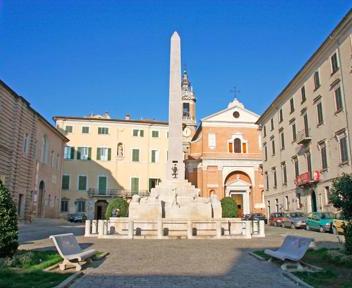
(314, 201)
(41, 199)
(238, 199)
(100, 209)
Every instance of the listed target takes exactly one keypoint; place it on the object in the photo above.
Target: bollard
(160, 229)
(218, 229)
(94, 226)
(87, 231)
(100, 228)
(189, 230)
(130, 229)
(261, 228)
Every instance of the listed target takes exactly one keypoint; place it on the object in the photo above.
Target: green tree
(117, 203)
(229, 207)
(8, 224)
(341, 198)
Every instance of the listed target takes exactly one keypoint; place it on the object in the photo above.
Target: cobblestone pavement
(183, 263)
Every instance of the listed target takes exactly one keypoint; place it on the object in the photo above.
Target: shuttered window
(82, 183)
(134, 185)
(135, 155)
(65, 182)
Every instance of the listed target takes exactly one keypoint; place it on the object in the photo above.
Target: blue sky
(79, 57)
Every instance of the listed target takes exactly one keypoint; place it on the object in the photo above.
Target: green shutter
(89, 153)
(82, 183)
(102, 185)
(79, 153)
(142, 133)
(135, 155)
(153, 156)
(134, 185)
(109, 154)
(65, 182)
(98, 153)
(72, 153)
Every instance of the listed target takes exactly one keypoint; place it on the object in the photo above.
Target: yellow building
(108, 157)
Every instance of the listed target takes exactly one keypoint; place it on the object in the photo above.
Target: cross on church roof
(235, 91)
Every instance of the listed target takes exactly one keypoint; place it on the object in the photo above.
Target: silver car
(294, 220)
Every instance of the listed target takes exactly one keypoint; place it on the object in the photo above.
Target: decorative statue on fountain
(175, 198)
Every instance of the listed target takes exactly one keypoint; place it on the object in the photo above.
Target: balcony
(110, 193)
(303, 137)
(305, 178)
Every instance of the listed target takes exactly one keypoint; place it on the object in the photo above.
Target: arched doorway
(100, 209)
(41, 198)
(314, 201)
(238, 186)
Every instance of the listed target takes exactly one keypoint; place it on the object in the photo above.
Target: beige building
(31, 153)
(225, 158)
(306, 131)
(108, 157)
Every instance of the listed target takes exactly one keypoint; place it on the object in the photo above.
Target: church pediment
(234, 113)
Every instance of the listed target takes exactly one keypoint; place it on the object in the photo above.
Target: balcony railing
(306, 178)
(93, 192)
(303, 136)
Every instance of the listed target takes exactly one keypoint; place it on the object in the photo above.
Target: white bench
(293, 248)
(69, 250)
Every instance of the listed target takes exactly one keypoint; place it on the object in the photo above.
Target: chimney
(128, 117)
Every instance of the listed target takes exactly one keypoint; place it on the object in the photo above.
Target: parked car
(338, 224)
(255, 217)
(276, 218)
(321, 221)
(294, 220)
(77, 217)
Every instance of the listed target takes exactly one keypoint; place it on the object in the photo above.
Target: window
(102, 185)
(85, 130)
(294, 133)
(284, 173)
(295, 161)
(103, 130)
(138, 132)
(68, 129)
(154, 156)
(64, 205)
(264, 131)
(26, 143)
(338, 99)
(316, 80)
(134, 185)
(281, 117)
(274, 177)
(84, 153)
(324, 161)
(269, 209)
(309, 164)
(155, 134)
(267, 181)
(237, 145)
(58, 161)
(334, 63)
(271, 124)
(292, 105)
(82, 183)
(306, 126)
(273, 147)
(153, 182)
(303, 94)
(69, 153)
(265, 152)
(65, 182)
(52, 159)
(186, 110)
(212, 140)
(236, 114)
(299, 201)
(320, 113)
(103, 154)
(342, 139)
(81, 205)
(45, 149)
(277, 205)
(282, 137)
(135, 155)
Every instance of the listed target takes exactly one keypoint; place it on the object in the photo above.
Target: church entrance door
(238, 199)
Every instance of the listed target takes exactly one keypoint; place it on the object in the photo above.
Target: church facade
(225, 158)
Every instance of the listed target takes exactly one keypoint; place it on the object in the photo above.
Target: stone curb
(67, 282)
(296, 279)
(257, 256)
(52, 267)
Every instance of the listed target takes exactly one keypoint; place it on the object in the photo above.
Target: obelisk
(175, 165)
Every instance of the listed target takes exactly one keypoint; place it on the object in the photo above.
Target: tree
(8, 224)
(341, 198)
(229, 208)
(117, 203)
